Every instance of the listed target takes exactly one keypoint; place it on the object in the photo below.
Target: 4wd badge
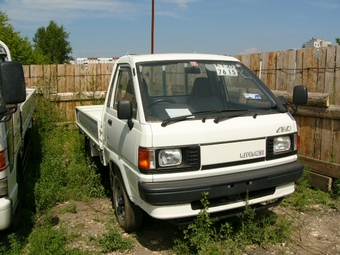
(284, 129)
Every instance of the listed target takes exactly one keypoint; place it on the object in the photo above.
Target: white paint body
(222, 145)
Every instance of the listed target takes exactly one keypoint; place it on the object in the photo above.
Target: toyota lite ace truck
(176, 125)
(17, 105)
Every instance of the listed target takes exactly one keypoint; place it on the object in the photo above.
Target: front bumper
(5, 213)
(222, 189)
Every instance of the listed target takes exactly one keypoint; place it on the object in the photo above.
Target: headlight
(281, 144)
(170, 157)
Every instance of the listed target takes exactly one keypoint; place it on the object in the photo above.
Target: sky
(113, 28)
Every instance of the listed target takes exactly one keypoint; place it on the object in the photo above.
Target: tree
(53, 42)
(337, 40)
(20, 47)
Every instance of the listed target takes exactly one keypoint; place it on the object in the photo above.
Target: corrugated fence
(318, 69)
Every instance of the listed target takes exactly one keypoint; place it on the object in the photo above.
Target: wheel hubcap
(119, 202)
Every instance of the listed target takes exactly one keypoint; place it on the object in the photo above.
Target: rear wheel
(129, 216)
(87, 146)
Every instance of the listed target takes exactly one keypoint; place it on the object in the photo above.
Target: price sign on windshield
(226, 70)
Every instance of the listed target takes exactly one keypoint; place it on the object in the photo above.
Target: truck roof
(173, 56)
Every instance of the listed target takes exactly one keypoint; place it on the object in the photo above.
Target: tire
(87, 146)
(129, 216)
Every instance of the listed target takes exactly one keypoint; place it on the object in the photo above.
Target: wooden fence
(318, 69)
(70, 85)
(319, 124)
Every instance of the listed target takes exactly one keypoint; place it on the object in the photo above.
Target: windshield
(184, 88)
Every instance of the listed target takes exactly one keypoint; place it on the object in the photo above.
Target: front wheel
(129, 216)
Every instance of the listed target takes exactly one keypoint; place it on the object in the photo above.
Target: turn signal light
(146, 159)
(297, 142)
(2, 160)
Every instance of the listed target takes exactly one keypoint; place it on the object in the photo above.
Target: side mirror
(300, 95)
(124, 109)
(12, 82)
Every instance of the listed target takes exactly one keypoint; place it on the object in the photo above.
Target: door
(118, 137)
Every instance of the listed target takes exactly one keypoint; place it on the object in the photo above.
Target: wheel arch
(117, 170)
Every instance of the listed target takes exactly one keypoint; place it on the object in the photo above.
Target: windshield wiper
(229, 113)
(195, 115)
(242, 113)
(176, 119)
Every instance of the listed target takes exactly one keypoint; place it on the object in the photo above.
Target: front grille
(270, 148)
(193, 157)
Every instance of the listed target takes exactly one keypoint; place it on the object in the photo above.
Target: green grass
(72, 208)
(57, 172)
(112, 240)
(64, 173)
(207, 235)
(305, 195)
(336, 188)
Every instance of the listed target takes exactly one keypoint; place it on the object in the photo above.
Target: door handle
(109, 122)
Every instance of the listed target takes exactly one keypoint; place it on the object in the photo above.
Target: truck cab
(175, 126)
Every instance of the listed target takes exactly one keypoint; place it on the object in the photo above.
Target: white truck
(176, 125)
(17, 105)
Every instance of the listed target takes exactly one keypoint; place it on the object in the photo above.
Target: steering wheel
(160, 100)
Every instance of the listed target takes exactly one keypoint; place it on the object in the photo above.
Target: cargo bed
(27, 109)
(24, 134)
(89, 120)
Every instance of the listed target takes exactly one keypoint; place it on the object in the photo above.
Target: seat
(145, 92)
(202, 97)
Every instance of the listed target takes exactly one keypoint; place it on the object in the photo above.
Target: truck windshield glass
(183, 88)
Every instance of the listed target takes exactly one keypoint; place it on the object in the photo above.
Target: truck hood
(231, 140)
(196, 131)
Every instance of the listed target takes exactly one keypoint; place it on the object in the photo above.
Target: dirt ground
(317, 229)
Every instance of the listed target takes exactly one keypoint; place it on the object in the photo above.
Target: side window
(124, 89)
(110, 95)
(109, 99)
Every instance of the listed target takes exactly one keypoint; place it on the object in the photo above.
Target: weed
(64, 172)
(72, 208)
(336, 188)
(201, 231)
(210, 236)
(15, 246)
(201, 234)
(47, 240)
(305, 195)
(46, 116)
(113, 240)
